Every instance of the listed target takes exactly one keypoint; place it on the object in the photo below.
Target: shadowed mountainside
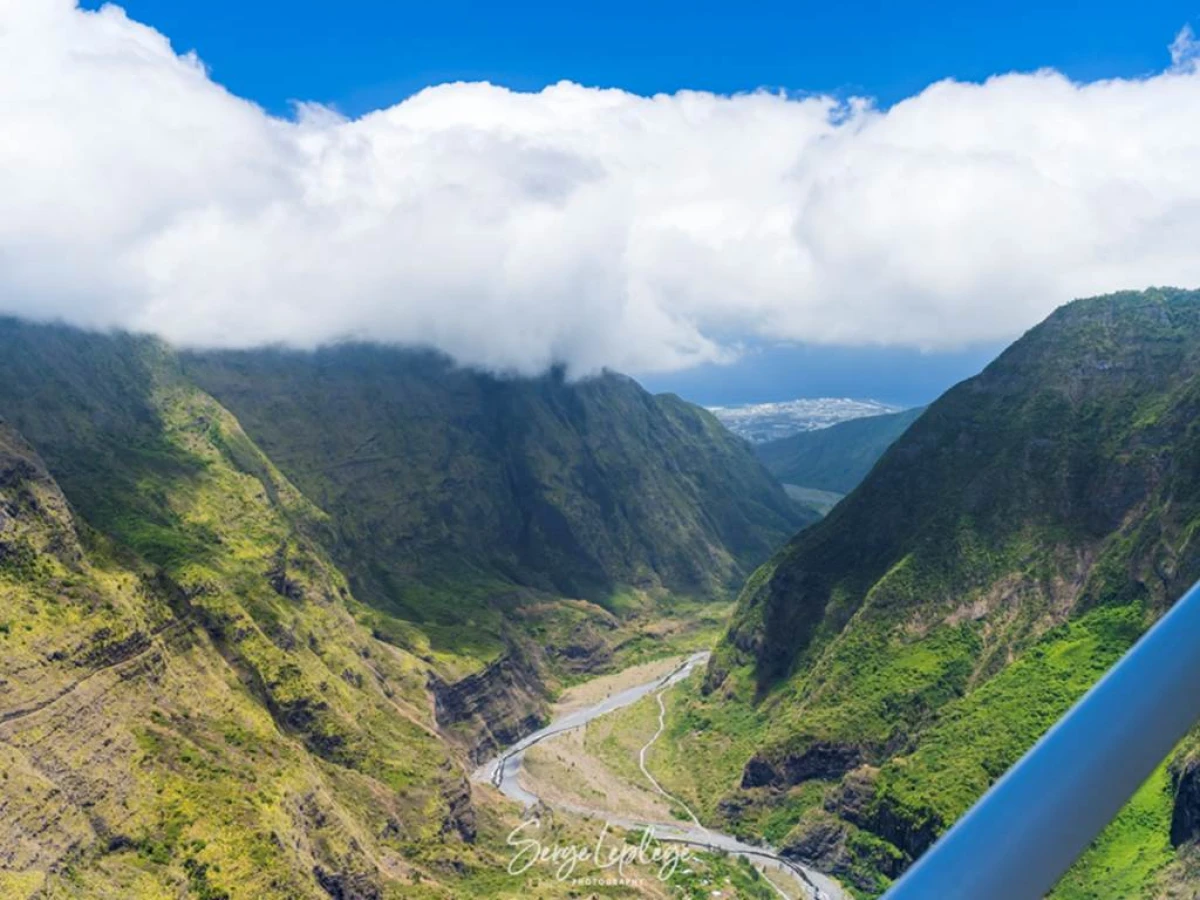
(836, 458)
(439, 477)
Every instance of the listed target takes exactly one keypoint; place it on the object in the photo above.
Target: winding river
(504, 773)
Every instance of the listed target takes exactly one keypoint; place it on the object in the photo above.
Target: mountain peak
(1004, 550)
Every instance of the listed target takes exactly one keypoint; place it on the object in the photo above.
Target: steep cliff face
(447, 483)
(1008, 547)
(158, 731)
(1071, 432)
(493, 708)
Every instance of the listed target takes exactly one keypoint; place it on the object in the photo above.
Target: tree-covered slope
(836, 458)
(895, 658)
(442, 481)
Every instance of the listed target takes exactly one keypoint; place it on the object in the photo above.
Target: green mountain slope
(194, 701)
(216, 724)
(441, 481)
(836, 458)
(894, 659)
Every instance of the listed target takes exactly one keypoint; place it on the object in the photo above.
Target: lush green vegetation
(975, 739)
(238, 699)
(454, 494)
(202, 701)
(217, 642)
(1130, 856)
(837, 458)
(1005, 550)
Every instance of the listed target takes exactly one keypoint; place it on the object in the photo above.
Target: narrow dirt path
(662, 724)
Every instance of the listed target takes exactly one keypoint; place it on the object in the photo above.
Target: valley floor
(562, 768)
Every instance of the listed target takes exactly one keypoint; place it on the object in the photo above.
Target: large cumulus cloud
(593, 227)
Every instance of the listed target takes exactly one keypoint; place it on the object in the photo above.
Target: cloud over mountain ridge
(576, 225)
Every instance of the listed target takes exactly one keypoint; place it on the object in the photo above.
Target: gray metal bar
(1020, 837)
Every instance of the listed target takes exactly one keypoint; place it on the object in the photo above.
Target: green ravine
(261, 612)
(888, 664)
(216, 684)
(438, 479)
(837, 458)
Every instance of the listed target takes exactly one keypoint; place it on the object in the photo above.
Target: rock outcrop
(1185, 813)
(821, 760)
(492, 708)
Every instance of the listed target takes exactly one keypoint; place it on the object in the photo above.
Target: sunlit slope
(220, 722)
(896, 657)
(189, 702)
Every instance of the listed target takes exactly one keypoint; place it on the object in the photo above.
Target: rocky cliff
(493, 708)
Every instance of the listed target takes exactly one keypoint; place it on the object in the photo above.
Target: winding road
(504, 773)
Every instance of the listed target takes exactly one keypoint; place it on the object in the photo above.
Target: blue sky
(883, 255)
(771, 374)
(365, 54)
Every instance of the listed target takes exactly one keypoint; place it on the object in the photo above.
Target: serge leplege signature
(606, 853)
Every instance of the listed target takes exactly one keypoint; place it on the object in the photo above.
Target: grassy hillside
(894, 659)
(221, 729)
(215, 722)
(836, 458)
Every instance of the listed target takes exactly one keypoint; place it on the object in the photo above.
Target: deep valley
(263, 613)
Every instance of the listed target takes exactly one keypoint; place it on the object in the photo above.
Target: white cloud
(591, 226)
(1185, 50)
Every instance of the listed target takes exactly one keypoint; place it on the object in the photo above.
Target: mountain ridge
(892, 660)
(507, 439)
(836, 458)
